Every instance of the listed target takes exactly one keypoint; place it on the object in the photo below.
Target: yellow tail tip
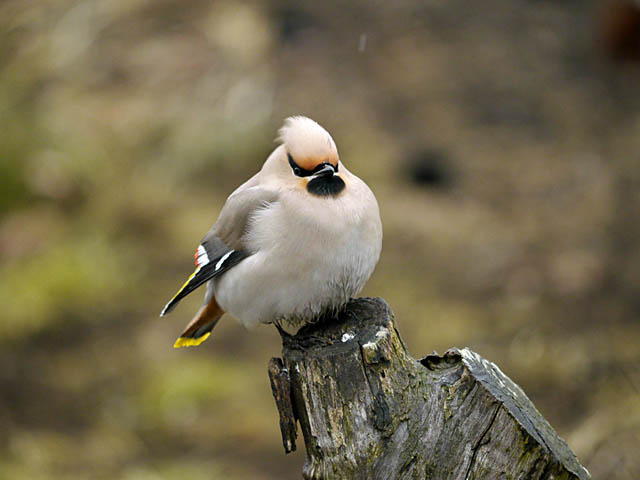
(190, 342)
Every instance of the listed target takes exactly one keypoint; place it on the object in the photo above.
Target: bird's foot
(283, 333)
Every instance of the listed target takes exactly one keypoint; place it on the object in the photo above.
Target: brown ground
(503, 146)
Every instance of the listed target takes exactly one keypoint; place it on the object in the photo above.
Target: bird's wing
(223, 246)
(233, 220)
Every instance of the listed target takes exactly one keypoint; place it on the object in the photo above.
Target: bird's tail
(199, 329)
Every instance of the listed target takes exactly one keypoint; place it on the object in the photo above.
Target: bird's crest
(307, 142)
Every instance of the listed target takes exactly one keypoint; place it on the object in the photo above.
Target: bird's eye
(297, 171)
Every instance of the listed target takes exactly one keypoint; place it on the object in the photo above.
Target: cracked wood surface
(368, 410)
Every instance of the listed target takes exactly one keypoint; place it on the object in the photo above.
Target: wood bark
(368, 410)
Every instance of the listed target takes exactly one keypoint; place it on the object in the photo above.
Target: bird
(292, 244)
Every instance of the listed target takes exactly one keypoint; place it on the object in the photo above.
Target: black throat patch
(326, 186)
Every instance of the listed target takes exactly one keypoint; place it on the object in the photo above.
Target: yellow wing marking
(164, 310)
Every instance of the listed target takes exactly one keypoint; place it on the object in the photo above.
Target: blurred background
(502, 139)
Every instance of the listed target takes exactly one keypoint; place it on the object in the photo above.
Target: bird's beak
(327, 170)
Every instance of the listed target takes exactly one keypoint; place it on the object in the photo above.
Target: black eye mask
(329, 185)
(303, 172)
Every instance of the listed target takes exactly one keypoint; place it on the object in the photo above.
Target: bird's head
(311, 157)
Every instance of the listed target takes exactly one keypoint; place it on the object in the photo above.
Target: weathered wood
(368, 410)
(281, 389)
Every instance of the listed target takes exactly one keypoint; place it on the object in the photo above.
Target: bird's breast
(310, 256)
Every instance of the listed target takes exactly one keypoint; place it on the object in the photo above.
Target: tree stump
(369, 411)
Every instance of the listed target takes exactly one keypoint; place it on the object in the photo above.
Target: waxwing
(293, 243)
